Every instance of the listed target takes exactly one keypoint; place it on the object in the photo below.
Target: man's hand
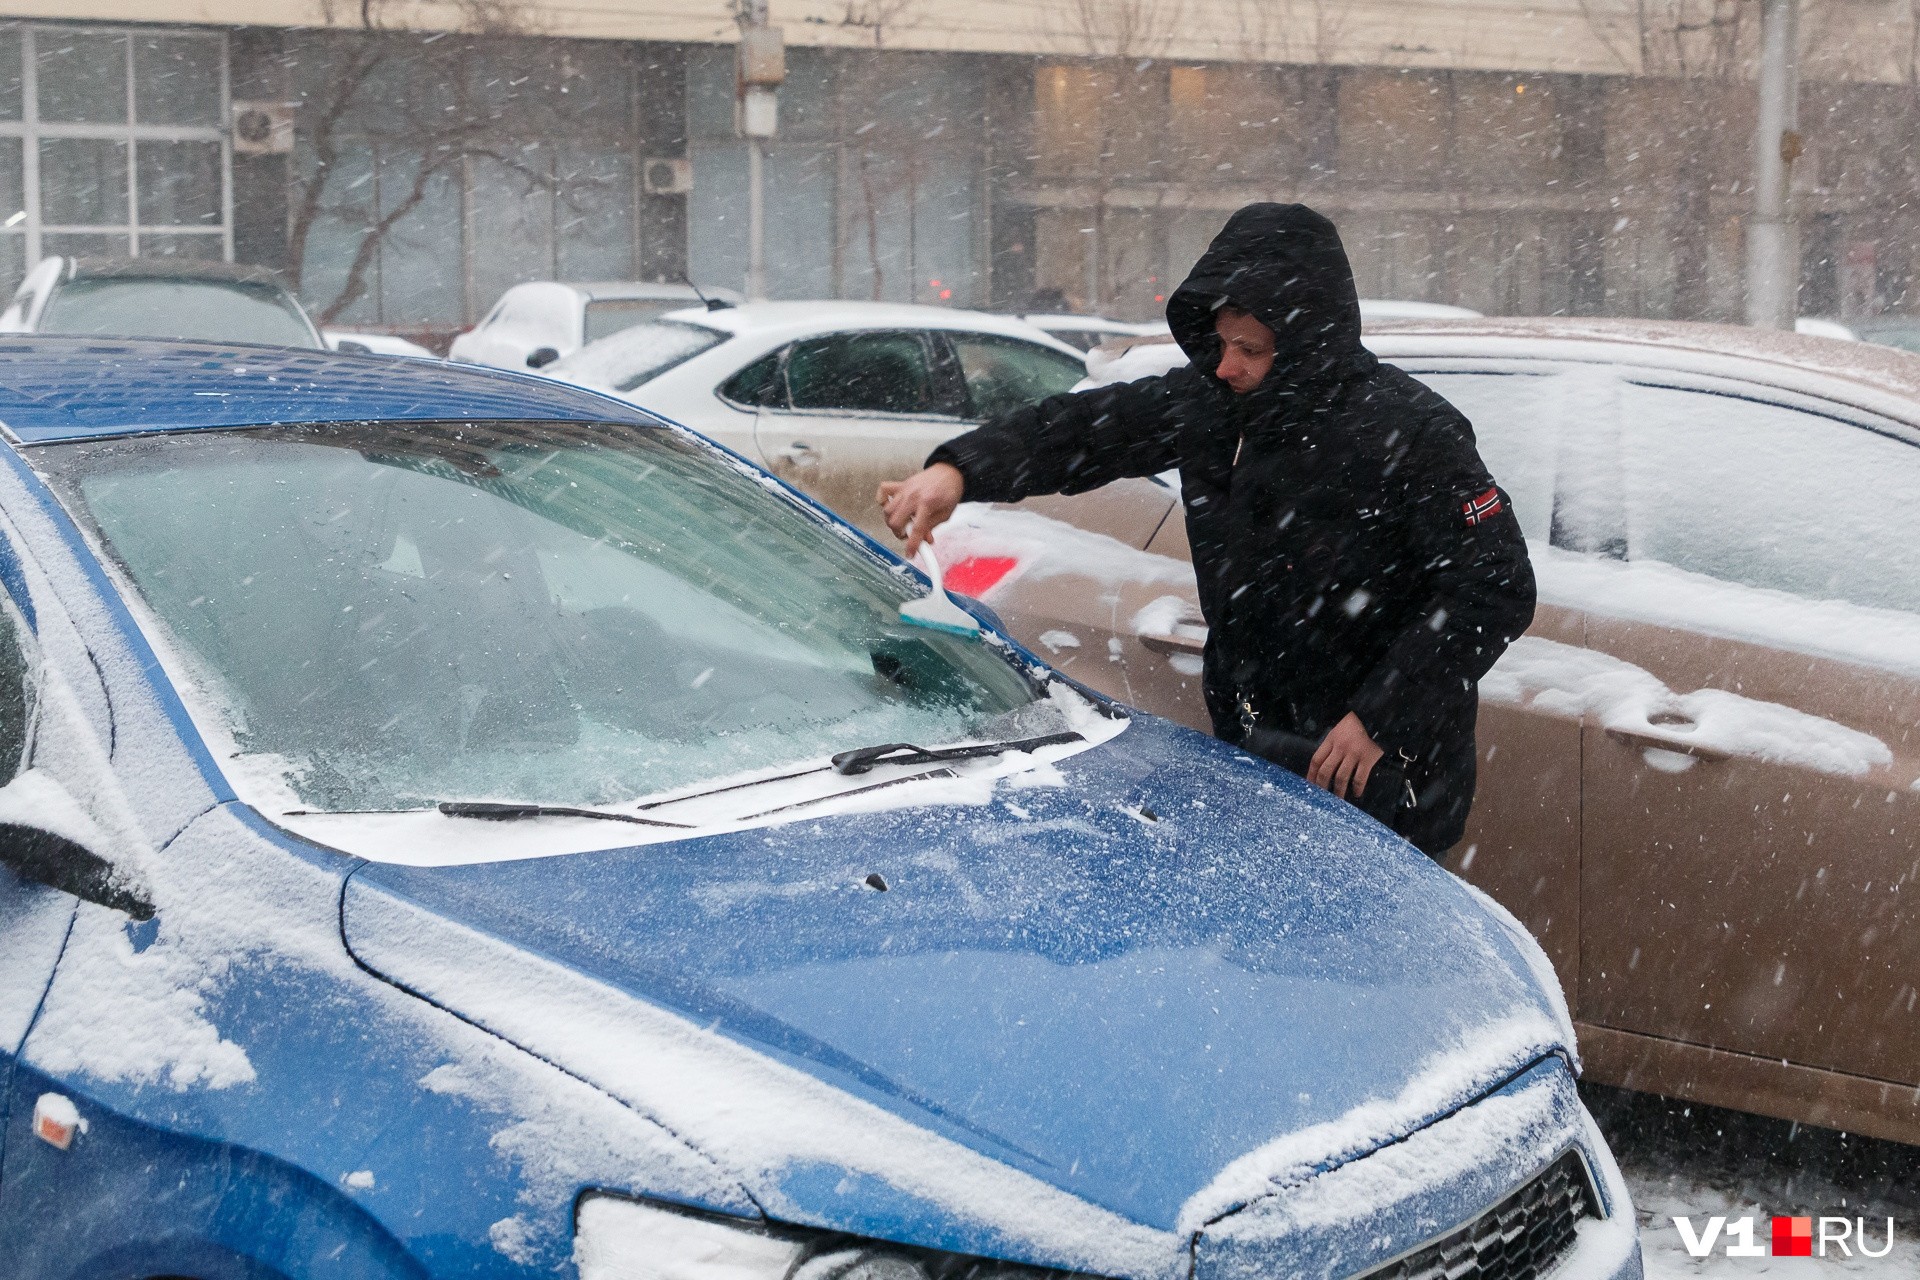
(1346, 758)
(915, 505)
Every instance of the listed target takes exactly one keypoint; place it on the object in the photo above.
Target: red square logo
(1793, 1237)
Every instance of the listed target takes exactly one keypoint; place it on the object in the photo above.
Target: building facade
(402, 178)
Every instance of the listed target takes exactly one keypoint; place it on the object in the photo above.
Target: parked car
(441, 839)
(536, 323)
(833, 397)
(374, 344)
(1086, 332)
(1700, 771)
(158, 298)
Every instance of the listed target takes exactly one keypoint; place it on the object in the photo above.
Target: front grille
(1521, 1238)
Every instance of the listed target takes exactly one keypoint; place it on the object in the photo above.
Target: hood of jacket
(1285, 265)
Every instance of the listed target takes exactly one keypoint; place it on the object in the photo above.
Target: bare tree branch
(344, 89)
(355, 286)
(877, 16)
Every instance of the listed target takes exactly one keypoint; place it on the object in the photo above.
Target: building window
(112, 143)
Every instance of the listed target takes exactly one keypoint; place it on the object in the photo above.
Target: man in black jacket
(1358, 567)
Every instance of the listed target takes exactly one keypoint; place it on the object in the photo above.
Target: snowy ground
(1701, 1161)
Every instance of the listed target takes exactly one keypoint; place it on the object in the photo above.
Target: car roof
(63, 388)
(794, 318)
(1091, 324)
(1881, 379)
(168, 269)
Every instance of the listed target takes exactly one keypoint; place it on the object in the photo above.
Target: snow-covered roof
(755, 319)
(1881, 379)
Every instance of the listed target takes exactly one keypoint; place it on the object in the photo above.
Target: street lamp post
(1773, 245)
(761, 65)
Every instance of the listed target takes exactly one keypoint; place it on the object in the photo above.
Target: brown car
(1700, 770)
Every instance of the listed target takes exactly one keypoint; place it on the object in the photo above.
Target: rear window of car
(188, 310)
(636, 355)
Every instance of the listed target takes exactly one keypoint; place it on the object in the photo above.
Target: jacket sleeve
(1075, 442)
(1479, 588)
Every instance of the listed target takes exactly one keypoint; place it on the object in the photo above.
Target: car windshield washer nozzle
(936, 610)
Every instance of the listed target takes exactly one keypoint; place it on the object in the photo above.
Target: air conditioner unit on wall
(667, 177)
(263, 128)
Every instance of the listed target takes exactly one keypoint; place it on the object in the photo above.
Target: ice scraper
(936, 610)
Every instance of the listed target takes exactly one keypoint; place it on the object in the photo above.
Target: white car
(833, 397)
(542, 321)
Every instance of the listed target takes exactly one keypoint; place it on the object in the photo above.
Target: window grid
(130, 132)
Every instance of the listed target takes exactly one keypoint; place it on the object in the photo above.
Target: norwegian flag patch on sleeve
(1484, 507)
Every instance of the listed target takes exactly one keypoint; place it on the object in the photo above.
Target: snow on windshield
(523, 612)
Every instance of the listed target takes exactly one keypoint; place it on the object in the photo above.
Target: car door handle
(798, 451)
(1176, 643)
(1640, 738)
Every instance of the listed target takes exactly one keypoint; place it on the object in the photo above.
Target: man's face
(1246, 350)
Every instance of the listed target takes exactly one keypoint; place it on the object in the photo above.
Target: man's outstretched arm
(1065, 444)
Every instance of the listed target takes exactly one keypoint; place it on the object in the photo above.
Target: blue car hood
(1121, 985)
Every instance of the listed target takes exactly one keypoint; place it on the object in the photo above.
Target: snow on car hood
(1072, 1025)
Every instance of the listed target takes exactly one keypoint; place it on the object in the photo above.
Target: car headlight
(616, 1238)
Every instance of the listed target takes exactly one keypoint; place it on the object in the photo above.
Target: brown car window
(861, 372)
(1005, 373)
(1516, 420)
(1770, 496)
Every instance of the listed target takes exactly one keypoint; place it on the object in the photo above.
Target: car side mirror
(60, 861)
(353, 348)
(542, 357)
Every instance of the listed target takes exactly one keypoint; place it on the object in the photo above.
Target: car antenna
(713, 304)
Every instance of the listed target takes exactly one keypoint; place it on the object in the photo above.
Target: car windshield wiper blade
(861, 759)
(493, 812)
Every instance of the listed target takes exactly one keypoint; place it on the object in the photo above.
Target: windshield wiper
(861, 759)
(493, 812)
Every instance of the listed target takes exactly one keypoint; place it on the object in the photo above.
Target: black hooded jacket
(1353, 553)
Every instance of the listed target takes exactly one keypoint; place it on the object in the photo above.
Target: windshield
(381, 616)
(636, 355)
(205, 310)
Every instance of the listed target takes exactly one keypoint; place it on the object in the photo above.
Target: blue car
(458, 825)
